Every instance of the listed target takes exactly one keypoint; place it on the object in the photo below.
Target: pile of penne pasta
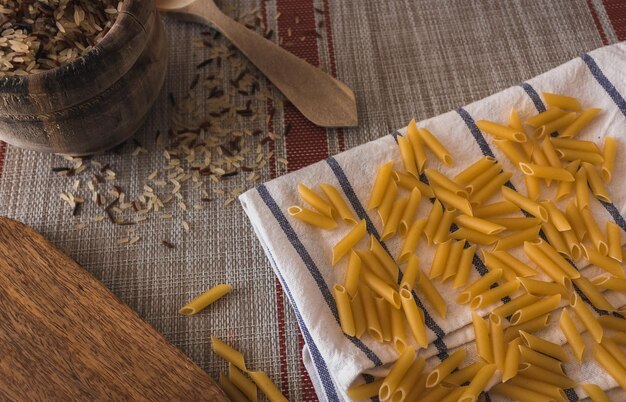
(475, 211)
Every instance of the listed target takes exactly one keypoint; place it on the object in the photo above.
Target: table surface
(403, 59)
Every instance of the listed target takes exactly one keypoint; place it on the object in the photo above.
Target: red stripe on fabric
(596, 20)
(308, 391)
(3, 150)
(616, 10)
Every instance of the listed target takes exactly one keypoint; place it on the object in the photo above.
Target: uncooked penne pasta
(432, 294)
(610, 365)
(533, 187)
(543, 118)
(397, 210)
(570, 155)
(479, 286)
(541, 288)
(465, 265)
(409, 381)
(536, 309)
(310, 197)
(242, 382)
(233, 393)
(267, 386)
(485, 177)
(544, 263)
(491, 188)
(609, 152)
(346, 319)
(432, 222)
(494, 295)
(474, 170)
(492, 262)
(452, 265)
(440, 258)
(417, 145)
(517, 239)
(596, 297)
(473, 236)
(614, 238)
(542, 346)
(497, 340)
(515, 304)
(514, 120)
(227, 353)
(445, 368)
(572, 215)
(550, 391)
(478, 383)
(452, 200)
(312, 217)
(595, 393)
(381, 288)
(409, 182)
(525, 203)
(606, 281)
(556, 217)
(534, 325)
(512, 358)
(407, 155)
(615, 351)
(435, 146)
(516, 265)
(410, 210)
(201, 302)
(541, 374)
(397, 329)
(581, 122)
(371, 313)
(353, 273)
(411, 272)
(515, 223)
(565, 187)
(512, 150)
(483, 343)
(360, 320)
(464, 374)
(553, 255)
(586, 317)
(346, 244)
(572, 334)
(555, 125)
(555, 238)
(386, 206)
(415, 318)
(437, 179)
(478, 224)
(571, 241)
(443, 231)
(550, 153)
(579, 145)
(411, 240)
(338, 203)
(383, 177)
(561, 101)
(500, 131)
(546, 172)
(518, 393)
(596, 183)
(371, 262)
(582, 189)
(601, 261)
(595, 234)
(383, 308)
(365, 391)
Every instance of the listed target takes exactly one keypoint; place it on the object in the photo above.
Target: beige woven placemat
(403, 59)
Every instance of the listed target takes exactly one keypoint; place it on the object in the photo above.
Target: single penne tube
(614, 239)
(452, 200)
(360, 320)
(558, 259)
(534, 325)
(615, 351)
(408, 182)
(473, 236)
(610, 365)
(353, 274)
(381, 288)
(596, 183)
(533, 187)
(412, 238)
(371, 313)
(233, 393)
(204, 300)
(572, 334)
(410, 379)
(515, 304)
(541, 374)
(536, 309)
(581, 189)
(556, 216)
(490, 188)
(312, 217)
(266, 385)
(578, 145)
(228, 353)
(338, 203)
(609, 153)
(481, 225)
(479, 286)
(407, 155)
(411, 272)
(365, 391)
(518, 393)
(373, 264)
(384, 316)
(346, 244)
(550, 153)
(383, 177)
(496, 334)
(586, 317)
(571, 155)
(542, 288)
(500, 131)
(386, 206)
(545, 264)
(517, 239)
(495, 209)
(445, 368)
(417, 145)
(439, 260)
(243, 384)
(494, 295)
(439, 393)
(539, 157)
(546, 172)
(595, 234)
(601, 261)
(512, 358)
(581, 122)
(474, 170)
(452, 265)
(478, 383)
(410, 210)
(416, 390)
(543, 118)
(595, 393)
(573, 217)
(525, 203)
(512, 150)
(344, 309)
(437, 179)
(481, 334)
(464, 374)
(561, 101)
(555, 238)
(555, 125)
(515, 223)
(606, 281)
(592, 293)
(432, 221)
(414, 317)
(465, 265)
(310, 197)
(549, 390)
(397, 210)
(612, 322)
(397, 329)
(443, 231)
(516, 265)
(514, 120)
(565, 187)
(542, 346)
(432, 294)
(435, 146)
(575, 250)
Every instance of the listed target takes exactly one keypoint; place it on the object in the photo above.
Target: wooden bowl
(96, 101)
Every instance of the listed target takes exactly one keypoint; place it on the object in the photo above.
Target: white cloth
(300, 254)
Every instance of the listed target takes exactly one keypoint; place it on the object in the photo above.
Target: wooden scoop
(64, 336)
(321, 98)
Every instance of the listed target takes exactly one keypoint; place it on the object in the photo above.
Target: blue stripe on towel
(604, 82)
(311, 266)
(534, 96)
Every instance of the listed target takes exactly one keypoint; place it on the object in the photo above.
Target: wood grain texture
(64, 336)
(96, 101)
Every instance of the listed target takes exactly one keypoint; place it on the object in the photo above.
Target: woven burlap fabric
(403, 59)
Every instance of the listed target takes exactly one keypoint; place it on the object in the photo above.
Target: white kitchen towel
(300, 254)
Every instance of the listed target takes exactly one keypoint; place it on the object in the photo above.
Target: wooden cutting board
(64, 336)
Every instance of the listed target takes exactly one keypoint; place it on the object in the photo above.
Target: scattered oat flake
(122, 240)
